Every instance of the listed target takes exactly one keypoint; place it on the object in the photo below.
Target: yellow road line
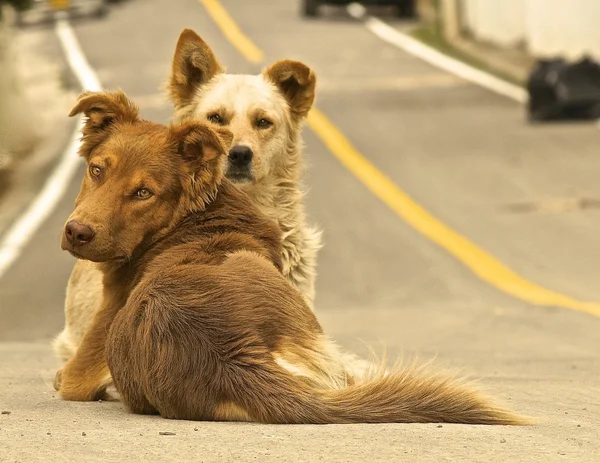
(231, 30)
(481, 263)
(484, 265)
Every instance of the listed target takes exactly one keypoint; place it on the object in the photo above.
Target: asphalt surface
(464, 153)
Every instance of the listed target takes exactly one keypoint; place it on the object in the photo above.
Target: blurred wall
(545, 27)
(499, 22)
(564, 27)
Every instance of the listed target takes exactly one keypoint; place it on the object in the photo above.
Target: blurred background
(467, 228)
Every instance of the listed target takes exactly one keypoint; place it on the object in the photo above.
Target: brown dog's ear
(202, 150)
(194, 64)
(225, 135)
(197, 142)
(102, 109)
(296, 82)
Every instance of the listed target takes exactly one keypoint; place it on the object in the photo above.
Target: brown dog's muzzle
(78, 234)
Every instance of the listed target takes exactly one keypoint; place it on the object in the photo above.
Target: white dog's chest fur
(301, 242)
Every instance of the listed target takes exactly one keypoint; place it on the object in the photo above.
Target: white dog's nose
(240, 156)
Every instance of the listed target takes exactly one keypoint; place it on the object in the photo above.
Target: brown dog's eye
(95, 171)
(143, 193)
(216, 119)
(263, 123)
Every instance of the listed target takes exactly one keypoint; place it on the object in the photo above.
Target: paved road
(461, 151)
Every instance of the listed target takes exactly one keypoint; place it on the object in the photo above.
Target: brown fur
(201, 310)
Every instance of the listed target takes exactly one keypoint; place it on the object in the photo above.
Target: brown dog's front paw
(58, 380)
(81, 387)
(81, 392)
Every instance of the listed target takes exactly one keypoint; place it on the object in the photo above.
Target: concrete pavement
(465, 154)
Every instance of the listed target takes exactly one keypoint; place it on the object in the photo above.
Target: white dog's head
(264, 112)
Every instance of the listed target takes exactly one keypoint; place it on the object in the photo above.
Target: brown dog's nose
(78, 234)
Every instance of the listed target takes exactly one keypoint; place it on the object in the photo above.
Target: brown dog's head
(263, 112)
(141, 179)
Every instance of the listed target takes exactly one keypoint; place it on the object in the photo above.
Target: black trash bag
(559, 90)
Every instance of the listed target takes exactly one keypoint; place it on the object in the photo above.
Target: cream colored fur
(322, 367)
(84, 294)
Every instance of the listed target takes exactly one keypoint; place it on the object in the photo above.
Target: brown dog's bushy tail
(402, 396)
(414, 396)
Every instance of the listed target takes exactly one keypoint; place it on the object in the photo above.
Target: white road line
(434, 57)
(76, 58)
(39, 210)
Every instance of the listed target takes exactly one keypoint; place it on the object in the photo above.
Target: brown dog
(205, 325)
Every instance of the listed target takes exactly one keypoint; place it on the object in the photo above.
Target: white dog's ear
(194, 64)
(102, 110)
(296, 81)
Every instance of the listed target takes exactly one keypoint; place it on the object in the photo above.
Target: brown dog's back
(194, 343)
(191, 332)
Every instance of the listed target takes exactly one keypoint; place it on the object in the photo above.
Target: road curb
(517, 67)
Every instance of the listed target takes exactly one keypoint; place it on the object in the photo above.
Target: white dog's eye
(263, 123)
(216, 119)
